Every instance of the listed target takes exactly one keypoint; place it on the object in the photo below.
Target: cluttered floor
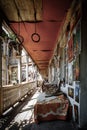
(22, 118)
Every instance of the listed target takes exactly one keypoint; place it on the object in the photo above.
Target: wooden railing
(9, 95)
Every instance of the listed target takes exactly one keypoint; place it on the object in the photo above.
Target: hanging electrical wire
(35, 36)
(21, 39)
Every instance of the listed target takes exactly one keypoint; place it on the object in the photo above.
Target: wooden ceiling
(44, 17)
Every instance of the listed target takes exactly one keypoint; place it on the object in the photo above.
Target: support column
(26, 68)
(1, 89)
(49, 74)
(19, 70)
(36, 75)
(7, 56)
(83, 67)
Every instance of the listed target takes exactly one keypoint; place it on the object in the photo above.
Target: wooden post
(1, 100)
(1, 91)
(27, 68)
(19, 70)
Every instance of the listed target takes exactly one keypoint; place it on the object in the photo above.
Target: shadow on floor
(51, 125)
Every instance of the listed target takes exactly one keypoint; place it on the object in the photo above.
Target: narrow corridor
(43, 43)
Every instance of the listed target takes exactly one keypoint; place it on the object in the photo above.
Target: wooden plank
(24, 7)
